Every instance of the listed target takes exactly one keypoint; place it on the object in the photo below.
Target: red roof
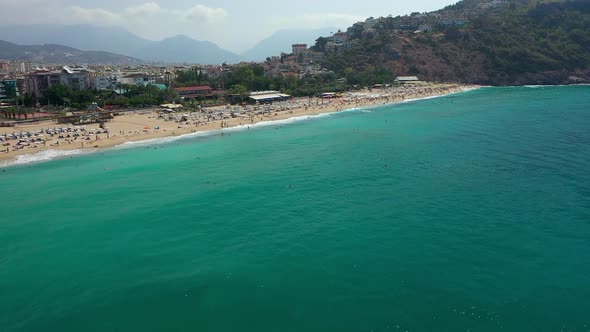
(194, 88)
(196, 96)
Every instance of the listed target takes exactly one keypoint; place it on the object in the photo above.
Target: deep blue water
(464, 213)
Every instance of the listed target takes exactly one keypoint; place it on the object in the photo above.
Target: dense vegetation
(529, 41)
(127, 95)
(548, 36)
(516, 44)
(244, 78)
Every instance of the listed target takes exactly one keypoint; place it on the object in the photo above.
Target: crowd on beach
(49, 137)
(158, 123)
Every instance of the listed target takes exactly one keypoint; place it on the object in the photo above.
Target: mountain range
(176, 49)
(510, 42)
(58, 54)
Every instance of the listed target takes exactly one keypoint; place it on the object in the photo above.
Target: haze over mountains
(282, 40)
(83, 37)
(477, 41)
(177, 49)
(56, 54)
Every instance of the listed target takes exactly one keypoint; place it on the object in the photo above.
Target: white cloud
(146, 9)
(92, 15)
(203, 19)
(208, 14)
(145, 15)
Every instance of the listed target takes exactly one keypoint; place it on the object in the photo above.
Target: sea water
(469, 212)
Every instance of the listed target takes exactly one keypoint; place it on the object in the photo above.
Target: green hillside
(59, 54)
(476, 41)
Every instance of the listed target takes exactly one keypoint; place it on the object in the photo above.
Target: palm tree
(5, 112)
(25, 111)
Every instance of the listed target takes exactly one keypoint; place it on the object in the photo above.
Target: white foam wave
(42, 156)
(553, 85)
(169, 139)
(277, 122)
(55, 154)
(474, 88)
(164, 140)
(463, 90)
(427, 98)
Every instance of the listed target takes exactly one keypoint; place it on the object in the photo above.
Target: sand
(141, 125)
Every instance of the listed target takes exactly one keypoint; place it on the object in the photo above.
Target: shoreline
(126, 130)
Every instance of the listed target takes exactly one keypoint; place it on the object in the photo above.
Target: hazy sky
(233, 24)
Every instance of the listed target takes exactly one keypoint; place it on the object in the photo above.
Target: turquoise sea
(469, 212)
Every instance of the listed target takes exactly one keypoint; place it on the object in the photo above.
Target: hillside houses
(301, 61)
(495, 4)
(428, 22)
(338, 42)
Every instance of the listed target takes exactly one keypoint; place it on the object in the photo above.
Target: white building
(407, 79)
(77, 78)
(138, 78)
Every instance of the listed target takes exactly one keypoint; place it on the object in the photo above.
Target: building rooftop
(407, 78)
(135, 75)
(194, 88)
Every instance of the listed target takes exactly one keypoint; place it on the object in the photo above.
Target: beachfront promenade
(141, 125)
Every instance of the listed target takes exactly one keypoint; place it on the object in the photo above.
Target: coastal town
(69, 105)
(97, 109)
(261, 166)
(100, 128)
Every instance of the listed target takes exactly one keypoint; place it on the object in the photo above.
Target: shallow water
(466, 212)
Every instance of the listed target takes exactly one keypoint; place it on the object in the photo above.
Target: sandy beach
(143, 125)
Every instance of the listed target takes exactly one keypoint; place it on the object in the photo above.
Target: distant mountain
(83, 36)
(59, 54)
(282, 40)
(118, 40)
(184, 49)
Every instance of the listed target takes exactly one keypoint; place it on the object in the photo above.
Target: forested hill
(476, 41)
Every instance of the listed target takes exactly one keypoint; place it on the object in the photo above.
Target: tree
(82, 97)
(6, 112)
(238, 90)
(243, 74)
(320, 44)
(25, 100)
(166, 95)
(55, 94)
